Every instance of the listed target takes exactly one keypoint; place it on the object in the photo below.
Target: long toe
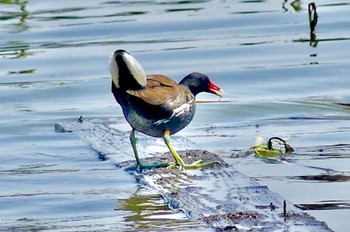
(200, 164)
(144, 166)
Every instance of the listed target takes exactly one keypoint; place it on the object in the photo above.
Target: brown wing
(159, 88)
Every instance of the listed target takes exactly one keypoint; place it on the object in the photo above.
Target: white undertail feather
(114, 70)
(135, 69)
(133, 65)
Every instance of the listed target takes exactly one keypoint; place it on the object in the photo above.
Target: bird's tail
(126, 71)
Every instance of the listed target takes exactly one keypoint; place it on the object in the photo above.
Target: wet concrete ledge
(220, 197)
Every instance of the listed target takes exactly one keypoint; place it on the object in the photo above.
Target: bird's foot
(200, 164)
(144, 166)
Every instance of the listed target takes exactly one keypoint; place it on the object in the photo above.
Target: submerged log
(220, 197)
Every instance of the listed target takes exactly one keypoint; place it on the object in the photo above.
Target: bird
(156, 105)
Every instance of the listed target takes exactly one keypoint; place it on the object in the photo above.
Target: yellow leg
(178, 159)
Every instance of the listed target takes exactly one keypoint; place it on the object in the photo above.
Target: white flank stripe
(176, 113)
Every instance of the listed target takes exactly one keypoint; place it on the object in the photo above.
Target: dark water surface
(277, 83)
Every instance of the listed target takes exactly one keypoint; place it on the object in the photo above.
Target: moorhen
(154, 104)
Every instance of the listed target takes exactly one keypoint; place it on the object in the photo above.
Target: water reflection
(23, 15)
(30, 170)
(16, 50)
(325, 178)
(25, 71)
(325, 205)
(252, 1)
(184, 9)
(313, 17)
(70, 41)
(183, 2)
(149, 212)
(296, 5)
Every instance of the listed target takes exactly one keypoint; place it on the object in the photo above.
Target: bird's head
(198, 82)
(126, 71)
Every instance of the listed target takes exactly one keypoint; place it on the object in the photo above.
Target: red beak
(214, 89)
